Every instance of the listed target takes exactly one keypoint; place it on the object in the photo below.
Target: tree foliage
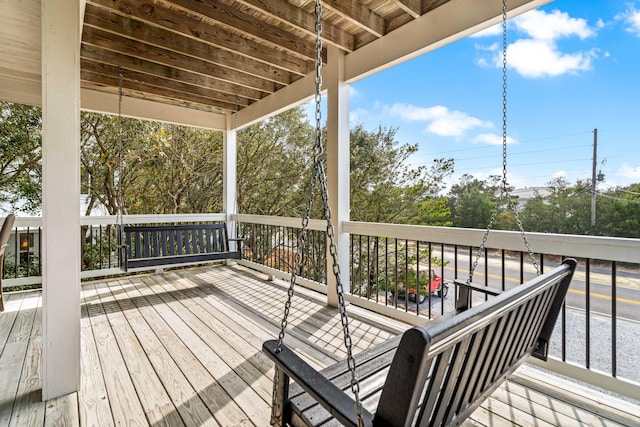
(274, 160)
(160, 168)
(20, 154)
(385, 186)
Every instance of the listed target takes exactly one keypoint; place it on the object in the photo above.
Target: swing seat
(434, 374)
(171, 245)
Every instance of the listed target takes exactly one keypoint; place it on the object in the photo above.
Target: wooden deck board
(184, 348)
(28, 406)
(124, 402)
(93, 402)
(14, 356)
(225, 411)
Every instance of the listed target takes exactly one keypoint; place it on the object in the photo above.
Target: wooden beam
(147, 109)
(358, 15)
(248, 26)
(154, 14)
(452, 21)
(136, 64)
(142, 32)
(410, 7)
(107, 74)
(299, 19)
(109, 41)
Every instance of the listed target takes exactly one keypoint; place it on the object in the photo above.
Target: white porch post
(230, 155)
(61, 197)
(338, 167)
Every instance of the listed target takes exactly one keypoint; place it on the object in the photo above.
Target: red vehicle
(436, 285)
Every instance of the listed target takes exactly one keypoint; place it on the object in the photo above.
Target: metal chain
(318, 175)
(120, 212)
(504, 192)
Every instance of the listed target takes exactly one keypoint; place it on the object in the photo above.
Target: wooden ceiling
(223, 55)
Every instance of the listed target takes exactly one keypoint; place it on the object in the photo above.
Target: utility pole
(593, 178)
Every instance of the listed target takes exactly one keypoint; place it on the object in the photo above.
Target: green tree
(472, 202)
(112, 149)
(181, 171)
(385, 186)
(20, 156)
(618, 212)
(274, 160)
(566, 210)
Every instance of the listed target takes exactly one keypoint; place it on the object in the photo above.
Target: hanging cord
(504, 192)
(318, 174)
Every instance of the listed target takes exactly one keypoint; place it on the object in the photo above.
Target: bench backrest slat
(175, 244)
(445, 368)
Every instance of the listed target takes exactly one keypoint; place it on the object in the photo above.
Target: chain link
(120, 211)
(318, 175)
(504, 191)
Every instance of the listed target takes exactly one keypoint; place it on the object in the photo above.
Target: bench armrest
(463, 301)
(333, 399)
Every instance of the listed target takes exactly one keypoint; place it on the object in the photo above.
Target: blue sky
(574, 65)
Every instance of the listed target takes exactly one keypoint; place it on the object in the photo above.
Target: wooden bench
(164, 245)
(434, 374)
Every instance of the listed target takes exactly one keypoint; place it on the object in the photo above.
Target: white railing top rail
(280, 221)
(127, 219)
(594, 247)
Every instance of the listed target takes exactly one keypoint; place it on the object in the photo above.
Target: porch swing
(434, 374)
(167, 245)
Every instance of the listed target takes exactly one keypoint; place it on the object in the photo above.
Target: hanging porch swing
(167, 245)
(434, 374)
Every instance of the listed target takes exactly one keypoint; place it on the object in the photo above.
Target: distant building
(528, 193)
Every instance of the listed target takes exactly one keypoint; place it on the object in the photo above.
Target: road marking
(575, 291)
(608, 297)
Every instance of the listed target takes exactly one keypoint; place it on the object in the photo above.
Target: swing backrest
(444, 369)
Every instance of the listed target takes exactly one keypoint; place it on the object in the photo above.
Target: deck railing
(597, 334)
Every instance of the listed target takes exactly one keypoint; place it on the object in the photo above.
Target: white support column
(61, 197)
(338, 168)
(229, 185)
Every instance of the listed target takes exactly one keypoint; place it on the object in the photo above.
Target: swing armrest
(333, 399)
(465, 289)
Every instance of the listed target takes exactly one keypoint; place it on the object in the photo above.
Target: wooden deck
(183, 348)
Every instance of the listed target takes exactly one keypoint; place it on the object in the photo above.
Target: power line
(524, 164)
(622, 190)
(620, 199)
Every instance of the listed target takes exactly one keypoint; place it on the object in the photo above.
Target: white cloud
(560, 174)
(538, 54)
(541, 58)
(627, 171)
(631, 18)
(540, 25)
(493, 139)
(442, 121)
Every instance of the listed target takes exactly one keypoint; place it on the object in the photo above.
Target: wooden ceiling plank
(249, 26)
(137, 30)
(110, 41)
(411, 7)
(153, 14)
(358, 15)
(152, 79)
(118, 59)
(298, 18)
(140, 90)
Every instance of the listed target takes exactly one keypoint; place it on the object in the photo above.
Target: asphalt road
(601, 301)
